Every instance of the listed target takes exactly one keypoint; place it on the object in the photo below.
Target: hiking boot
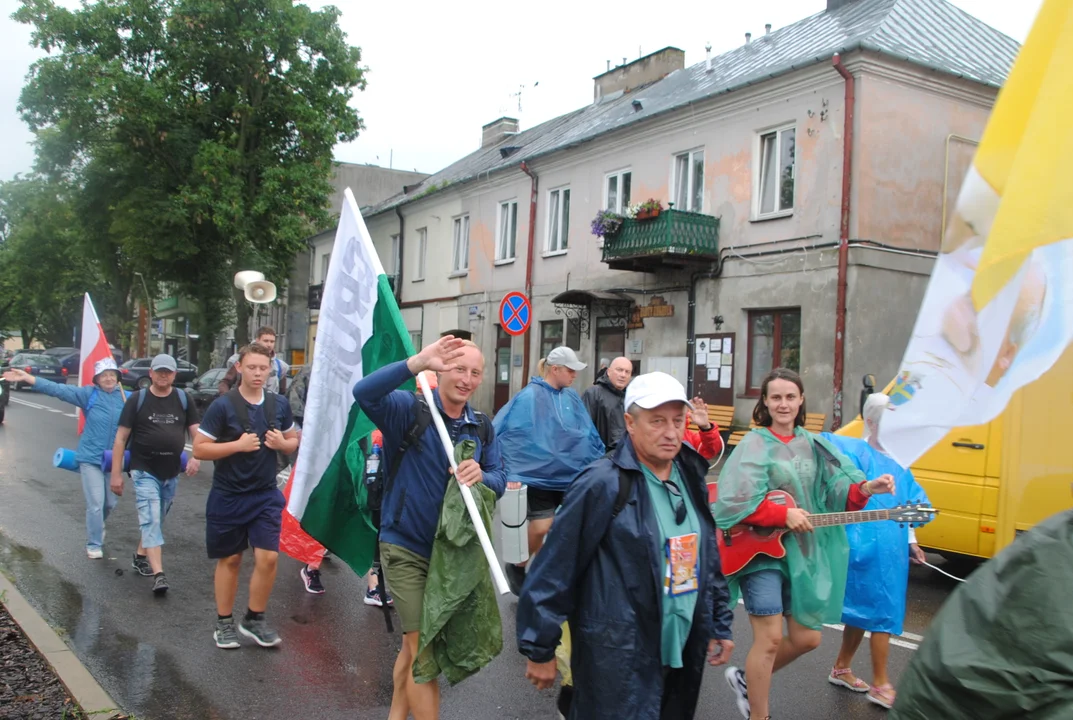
(141, 564)
(225, 635)
(257, 629)
(515, 577)
(312, 580)
(160, 584)
(735, 678)
(372, 597)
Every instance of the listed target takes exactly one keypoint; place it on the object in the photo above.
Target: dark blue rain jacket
(605, 575)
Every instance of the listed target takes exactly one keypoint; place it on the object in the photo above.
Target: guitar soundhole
(765, 532)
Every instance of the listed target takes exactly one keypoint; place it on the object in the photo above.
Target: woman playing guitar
(807, 585)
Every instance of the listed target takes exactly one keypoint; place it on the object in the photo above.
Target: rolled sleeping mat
(106, 461)
(64, 459)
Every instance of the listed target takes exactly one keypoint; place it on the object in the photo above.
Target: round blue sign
(515, 314)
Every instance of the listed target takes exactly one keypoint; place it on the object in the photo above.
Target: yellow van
(991, 482)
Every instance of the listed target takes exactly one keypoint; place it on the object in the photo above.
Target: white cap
(565, 356)
(653, 389)
(104, 366)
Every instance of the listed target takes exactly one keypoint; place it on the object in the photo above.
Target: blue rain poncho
(546, 436)
(878, 551)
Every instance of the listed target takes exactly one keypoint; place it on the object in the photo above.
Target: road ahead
(156, 656)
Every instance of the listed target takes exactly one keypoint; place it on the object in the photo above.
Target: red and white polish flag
(94, 349)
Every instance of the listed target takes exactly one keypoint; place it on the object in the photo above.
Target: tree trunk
(242, 322)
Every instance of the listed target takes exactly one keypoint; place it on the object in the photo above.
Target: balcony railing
(675, 239)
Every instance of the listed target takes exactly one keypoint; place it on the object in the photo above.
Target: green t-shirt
(676, 610)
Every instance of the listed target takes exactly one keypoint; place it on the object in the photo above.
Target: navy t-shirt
(244, 472)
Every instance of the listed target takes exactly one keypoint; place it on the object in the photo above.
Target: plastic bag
(546, 436)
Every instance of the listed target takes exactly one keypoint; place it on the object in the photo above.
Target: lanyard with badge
(682, 551)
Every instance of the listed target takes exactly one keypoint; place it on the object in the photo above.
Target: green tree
(202, 130)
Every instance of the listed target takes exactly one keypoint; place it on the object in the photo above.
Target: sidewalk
(81, 686)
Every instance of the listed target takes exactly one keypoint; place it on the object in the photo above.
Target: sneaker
(225, 635)
(141, 564)
(94, 553)
(160, 585)
(312, 580)
(735, 678)
(258, 631)
(515, 577)
(372, 597)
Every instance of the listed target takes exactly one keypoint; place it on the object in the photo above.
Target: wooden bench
(813, 423)
(721, 416)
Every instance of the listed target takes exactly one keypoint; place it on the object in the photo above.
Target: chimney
(498, 130)
(767, 29)
(643, 71)
(748, 37)
(707, 57)
(833, 5)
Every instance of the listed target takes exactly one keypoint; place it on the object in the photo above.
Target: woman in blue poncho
(547, 438)
(879, 558)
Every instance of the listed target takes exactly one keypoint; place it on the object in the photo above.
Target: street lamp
(149, 307)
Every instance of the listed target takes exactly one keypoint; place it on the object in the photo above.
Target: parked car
(135, 373)
(58, 352)
(39, 365)
(203, 390)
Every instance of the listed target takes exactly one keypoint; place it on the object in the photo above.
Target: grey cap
(566, 357)
(164, 362)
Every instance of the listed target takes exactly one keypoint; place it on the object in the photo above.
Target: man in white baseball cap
(594, 560)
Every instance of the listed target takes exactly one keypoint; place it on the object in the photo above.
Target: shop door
(503, 356)
(713, 368)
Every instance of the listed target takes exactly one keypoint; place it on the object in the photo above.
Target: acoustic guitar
(738, 545)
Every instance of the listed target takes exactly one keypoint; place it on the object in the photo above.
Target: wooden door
(713, 377)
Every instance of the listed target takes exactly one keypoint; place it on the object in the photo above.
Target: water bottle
(372, 463)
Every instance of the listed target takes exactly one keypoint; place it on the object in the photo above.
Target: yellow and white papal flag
(999, 307)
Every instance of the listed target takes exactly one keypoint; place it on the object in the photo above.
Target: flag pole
(467, 494)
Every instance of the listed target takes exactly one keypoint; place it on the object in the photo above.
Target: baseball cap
(104, 366)
(164, 362)
(653, 389)
(565, 356)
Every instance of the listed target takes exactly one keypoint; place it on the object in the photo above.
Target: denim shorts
(154, 498)
(765, 592)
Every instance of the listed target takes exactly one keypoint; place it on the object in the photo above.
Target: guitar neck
(848, 518)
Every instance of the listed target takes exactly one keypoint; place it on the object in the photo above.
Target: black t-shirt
(244, 472)
(158, 432)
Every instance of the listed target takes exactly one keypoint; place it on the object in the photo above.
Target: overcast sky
(439, 71)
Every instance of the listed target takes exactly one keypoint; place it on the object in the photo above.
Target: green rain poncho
(461, 630)
(818, 477)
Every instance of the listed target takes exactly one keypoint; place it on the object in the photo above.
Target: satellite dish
(260, 291)
(244, 278)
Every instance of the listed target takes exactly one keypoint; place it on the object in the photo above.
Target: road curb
(94, 701)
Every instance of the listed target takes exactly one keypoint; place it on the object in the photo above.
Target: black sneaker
(225, 635)
(141, 564)
(160, 585)
(258, 631)
(515, 577)
(312, 580)
(735, 678)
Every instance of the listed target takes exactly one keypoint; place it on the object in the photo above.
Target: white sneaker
(736, 680)
(94, 554)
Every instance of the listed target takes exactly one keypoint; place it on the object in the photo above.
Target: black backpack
(242, 410)
(379, 483)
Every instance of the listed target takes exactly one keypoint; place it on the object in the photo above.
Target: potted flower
(649, 209)
(606, 223)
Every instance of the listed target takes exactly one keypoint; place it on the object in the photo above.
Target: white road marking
(35, 406)
(902, 641)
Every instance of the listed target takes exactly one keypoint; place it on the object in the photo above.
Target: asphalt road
(156, 656)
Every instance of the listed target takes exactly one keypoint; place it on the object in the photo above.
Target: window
(460, 262)
(325, 261)
(558, 220)
(617, 191)
(774, 341)
(689, 181)
(415, 339)
(394, 255)
(551, 336)
(507, 233)
(775, 180)
(422, 251)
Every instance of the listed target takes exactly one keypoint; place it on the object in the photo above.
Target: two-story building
(808, 174)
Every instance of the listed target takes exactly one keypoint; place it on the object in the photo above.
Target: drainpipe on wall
(402, 254)
(843, 243)
(526, 343)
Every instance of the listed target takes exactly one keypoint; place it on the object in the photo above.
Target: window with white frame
(617, 191)
(558, 220)
(325, 261)
(395, 243)
(689, 181)
(774, 192)
(460, 261)
(422, 251)
(507, 230)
